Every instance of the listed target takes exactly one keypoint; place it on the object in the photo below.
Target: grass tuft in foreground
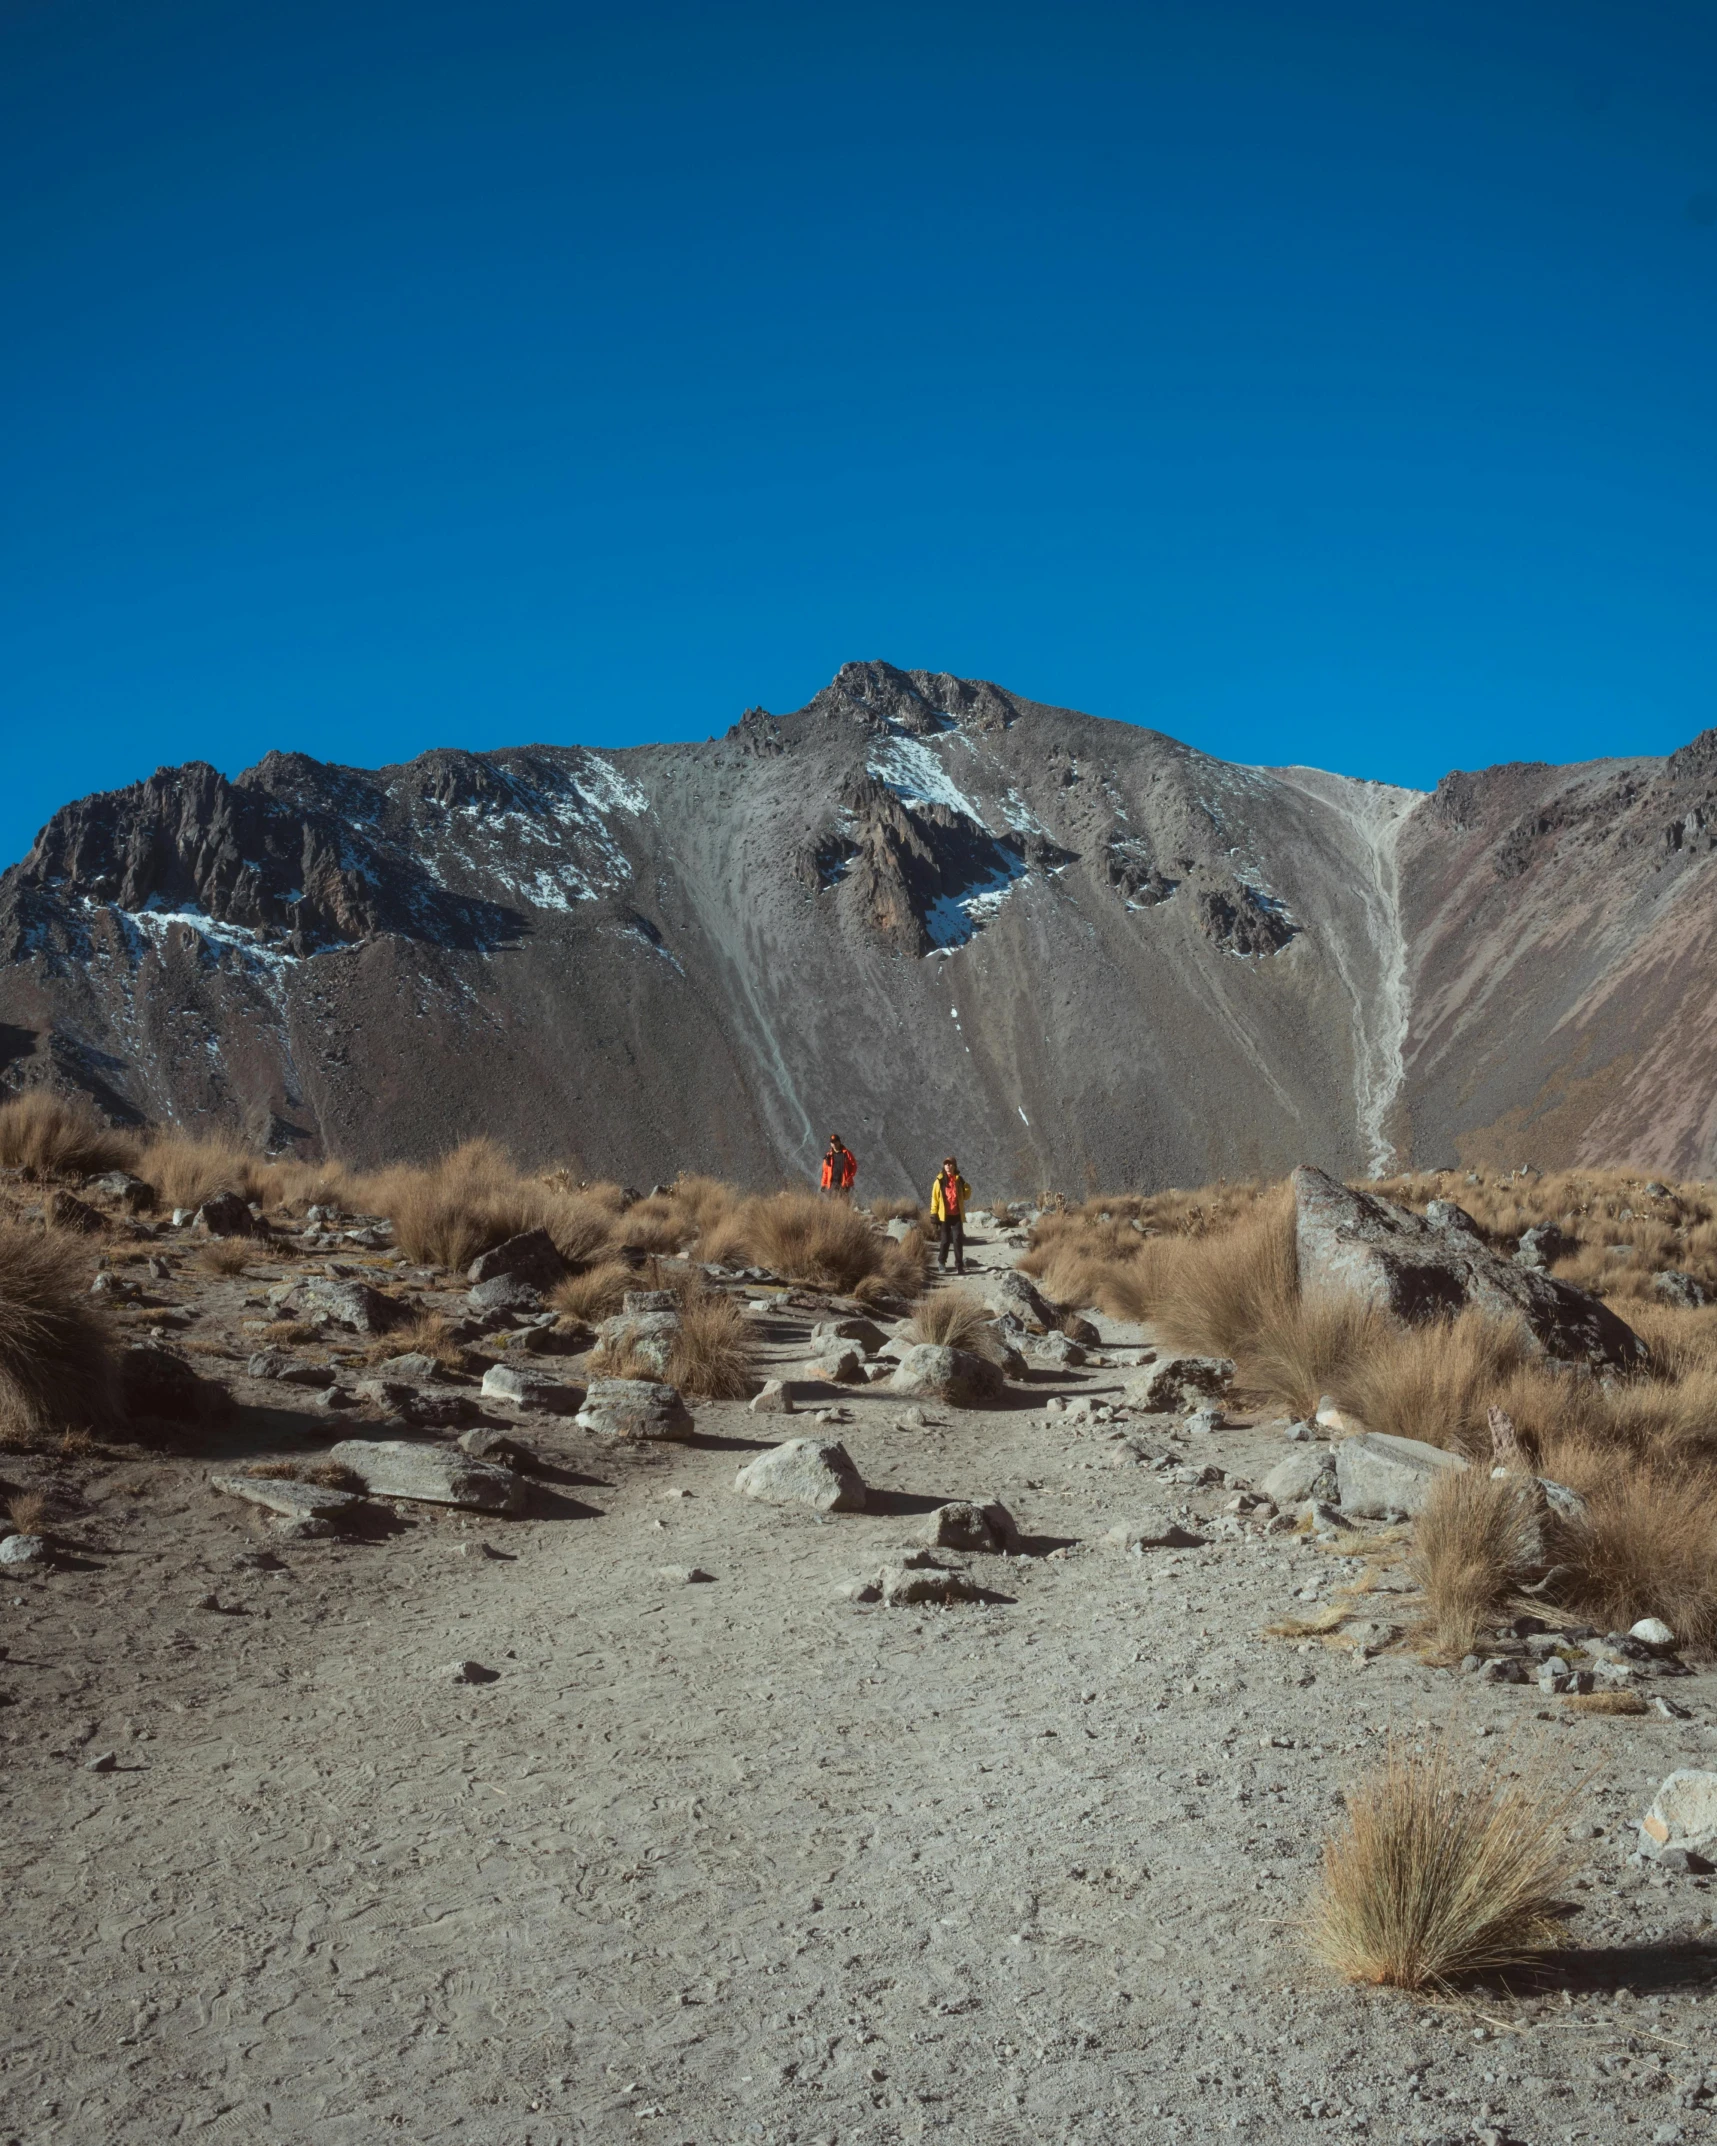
(55, 1368)
(1437, 1874)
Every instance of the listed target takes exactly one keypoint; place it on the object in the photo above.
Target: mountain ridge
(921, 910)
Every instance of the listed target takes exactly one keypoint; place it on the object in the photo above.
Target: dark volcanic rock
(154, 1384)
(1435, 1265)
(530, 1257)
(226, 1215)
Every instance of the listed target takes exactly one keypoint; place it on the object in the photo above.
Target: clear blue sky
(1318, 382)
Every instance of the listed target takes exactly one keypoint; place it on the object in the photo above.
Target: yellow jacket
(939, 1205)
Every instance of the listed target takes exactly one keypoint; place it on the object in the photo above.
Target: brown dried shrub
(56, 1371)
(1438, 1872)
(52, 1137)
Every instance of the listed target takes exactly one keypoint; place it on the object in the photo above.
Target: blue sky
(1330, 383)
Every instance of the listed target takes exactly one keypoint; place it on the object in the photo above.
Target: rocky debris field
(518, 1760)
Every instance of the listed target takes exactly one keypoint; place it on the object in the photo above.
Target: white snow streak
(1373, 814)
(913, 772)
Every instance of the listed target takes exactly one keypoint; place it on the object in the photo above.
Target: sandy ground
(745, 1860)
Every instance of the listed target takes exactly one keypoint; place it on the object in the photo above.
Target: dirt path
(748, 1860)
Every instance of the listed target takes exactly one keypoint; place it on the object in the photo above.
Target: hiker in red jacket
(840, 1166)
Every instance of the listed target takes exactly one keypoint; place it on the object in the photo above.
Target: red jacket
(840, 1167)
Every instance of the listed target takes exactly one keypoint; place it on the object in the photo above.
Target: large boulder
(132, 1193)
(965, 1525)
(291, 1500)
(650, 1336)
(1307, 1472)
(1180, 1383)
(158, 1386)
(529, 1257)
(227, 1215)
(834, 1366)
(934, 1373)
(520, 1387)
(1376, 1473)
(1432, 1266)
(634, 1410)
(1006, 1290)
(862, 1334)
(505, 1293)
(817, 1472)
(428, 1474)
(341, 1302)
(1685, 1291)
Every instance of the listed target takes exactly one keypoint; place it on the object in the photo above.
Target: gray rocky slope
(921, 912)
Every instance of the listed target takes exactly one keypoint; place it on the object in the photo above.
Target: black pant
(954, 1240)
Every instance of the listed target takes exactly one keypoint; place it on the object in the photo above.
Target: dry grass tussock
(448, 1212)
(595, 1294)
(427, 1335)
(1125, 1254)
(1438, 1873)
(951, 1319)
(55, 1369)
(1479, 1539)
(827, 1243)
(226, 1255)
(325, 1474)
(51, 1137)
(715, 1349)
(188, 1169)
(28, 1510)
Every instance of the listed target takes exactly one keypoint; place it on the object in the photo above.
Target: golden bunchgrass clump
(1440, 1871)
(56, 1373)
(953, 1320)
(595, 1294)
(807, 1238)
(188, 1169)
(1479, 1539)
(715, 1349)
(226, 1255)
(51, 1137)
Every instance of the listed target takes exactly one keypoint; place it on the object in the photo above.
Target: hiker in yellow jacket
(948, 1196)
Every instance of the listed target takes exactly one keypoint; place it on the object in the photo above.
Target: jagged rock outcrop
(922, 909)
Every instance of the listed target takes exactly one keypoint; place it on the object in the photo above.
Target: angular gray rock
(226, 1215)
(955, 1376)
(1007, 1290)
(816, 1472)
(1682, 1290)
(1179, 1383)
(442, 1411)
(1683, 1813)
(530, 1257)
(650, 1336)
(486, 1443)
(520, 1387)
(504, 1292)
(1540, 1246)
(24, 1553)
(1056, 1349)
(637, 1301)
(926, 1587)
(350, 1304)
(132, 1193)
(1377, 1473)
(1080, 1330)
(1417, 1268)
(776, 1398)
(966, 1525)
(412, 1365)
(1307, 1472)
(835, 1366)
(635, 1410)
(862, 1334)
(278, 1494)
(429, 1474)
